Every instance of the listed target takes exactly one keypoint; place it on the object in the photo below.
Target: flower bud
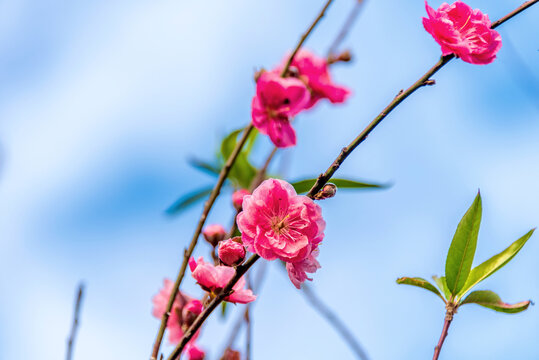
(237, 198)
(231, 355)
(328, 191)
(213, 234)
(190, 312)
(231, 251)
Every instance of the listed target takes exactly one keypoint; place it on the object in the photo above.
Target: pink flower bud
(194, 352)
(231, 252)
(213, 234)
(237, 197)
(328, 191)
(190, 312)
(231, 355)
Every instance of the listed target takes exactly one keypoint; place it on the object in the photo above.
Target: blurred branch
(352, 17)
(401, 96)
(334, 321)
(74, 326)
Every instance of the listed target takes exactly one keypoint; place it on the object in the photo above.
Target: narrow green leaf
(462, 250)
(206, 167)
(242, 172)
(223, 308)
(189, 199)
(491, 300)
(419, 282)
(303, 186)
(489, 267)
(442, 285)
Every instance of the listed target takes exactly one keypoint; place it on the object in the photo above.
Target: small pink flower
(276, 223)
(214, 278)
(237, 197)
(160, 301)
(463, 32)
(214, 233)
(278, 99)
(231, 252)
(314, 71)
(297, 272)
(194, 352)
(231, 355)
(191, 311)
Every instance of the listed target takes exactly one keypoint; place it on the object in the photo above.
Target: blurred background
(102, 103)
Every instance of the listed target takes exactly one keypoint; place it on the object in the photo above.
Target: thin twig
(248, 325)
(240, 271)
(447, 323)
(335, 321)
(424, 80)
(352, 17)
(74, 326)
(189, 251)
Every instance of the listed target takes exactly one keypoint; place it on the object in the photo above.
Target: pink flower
(237, 197)
(463, 32)
(231, 252)
(214, 278)
(314, 71)
(160, 301)
(297, 272)
(276, 223)
(191, 311)
(194, 353)
(214, 233)
(278, 99)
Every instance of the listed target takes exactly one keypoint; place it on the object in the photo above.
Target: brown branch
(189, 251)
(447, 322)
(74, 326)
(346, 28)
(402, 95)
(218, 299)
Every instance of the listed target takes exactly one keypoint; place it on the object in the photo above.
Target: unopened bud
(345, 56)
(328, 191)
(237, 198)
(231, 252)
(231, 355)
(190, 312)
(214, 233)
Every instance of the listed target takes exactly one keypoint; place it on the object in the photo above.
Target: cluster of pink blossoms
(462, 31)
(276, 223)
(278, 99)
(184, 311)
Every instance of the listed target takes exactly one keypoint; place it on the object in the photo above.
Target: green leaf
(489, 267)
(204, 166)
(461, 252)
(189, 199)
(419, 282)
(442, 285)
(223, 308)
(303, 186)
(491, 300)
(242, 172)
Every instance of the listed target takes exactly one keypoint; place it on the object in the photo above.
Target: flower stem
(188, 335)
(438, 348)
(401, 96)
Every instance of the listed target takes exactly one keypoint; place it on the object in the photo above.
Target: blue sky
(102, 103)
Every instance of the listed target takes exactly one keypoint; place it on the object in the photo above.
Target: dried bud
(231, 251)
(345, 56)
(237, 198)
(328, 191)
(231, 355)
(213, 234)
(190, 312)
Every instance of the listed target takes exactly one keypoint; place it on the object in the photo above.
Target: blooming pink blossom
(194, 352)
(297, 272)
(160, 301)
(276, 223)
(314, 71)
(462, 31)
(214, 278)
(214, 233)
(278, 99)
(190, 312)
(231, 252)
(237, 197)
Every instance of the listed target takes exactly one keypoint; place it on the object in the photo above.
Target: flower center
(278, 225)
